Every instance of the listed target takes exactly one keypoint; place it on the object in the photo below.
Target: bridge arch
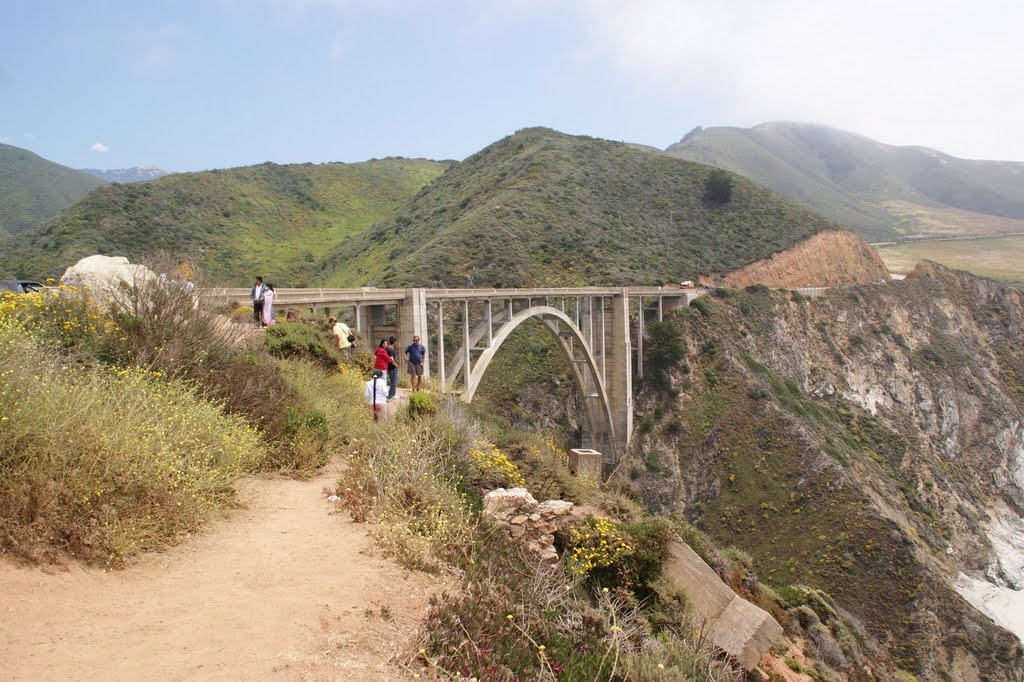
(586, 373)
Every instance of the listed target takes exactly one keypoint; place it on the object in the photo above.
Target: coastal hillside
(544, 208)
(33, 189)
(881, 191)
(270, 219)
(866, 445)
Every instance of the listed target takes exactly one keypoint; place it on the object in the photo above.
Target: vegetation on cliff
(848, 444)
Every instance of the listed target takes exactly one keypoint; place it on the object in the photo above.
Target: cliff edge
(826, 259)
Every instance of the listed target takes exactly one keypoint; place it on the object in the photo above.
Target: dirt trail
(281, 590)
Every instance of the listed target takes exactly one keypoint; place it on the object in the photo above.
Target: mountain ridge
(33, 189)
(855, 180)
(123, 175)
(540, 207)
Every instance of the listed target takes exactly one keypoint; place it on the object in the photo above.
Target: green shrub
(663, 352)
(702, 305)
(301, 341)
(718, 187)
(421, 403)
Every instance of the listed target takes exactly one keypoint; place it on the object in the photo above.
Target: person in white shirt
(377, 393)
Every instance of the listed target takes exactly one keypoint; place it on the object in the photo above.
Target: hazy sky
(194, 84)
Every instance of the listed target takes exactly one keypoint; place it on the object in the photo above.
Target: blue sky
(191, 84)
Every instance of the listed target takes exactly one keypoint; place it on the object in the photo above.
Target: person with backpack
(343, 336)
(377, 393)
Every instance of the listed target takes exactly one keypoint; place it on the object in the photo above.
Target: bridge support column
(619, 373)
(412, 321)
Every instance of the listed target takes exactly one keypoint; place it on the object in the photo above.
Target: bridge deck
(372, 295)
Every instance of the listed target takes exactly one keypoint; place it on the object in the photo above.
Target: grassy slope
(541, 207)
(848, 177)
(1000, 258)
(271, 219)
(33, 189)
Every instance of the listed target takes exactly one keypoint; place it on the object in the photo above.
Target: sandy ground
(285, 589)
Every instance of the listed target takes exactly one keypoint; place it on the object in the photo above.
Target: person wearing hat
(377, 393)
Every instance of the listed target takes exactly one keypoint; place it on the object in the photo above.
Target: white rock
(105, 276)
(497, 501)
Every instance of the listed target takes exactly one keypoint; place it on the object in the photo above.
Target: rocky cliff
(828, 258)
(869, 444)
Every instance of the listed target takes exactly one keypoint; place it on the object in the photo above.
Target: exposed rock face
(829, 258)
(869, 443)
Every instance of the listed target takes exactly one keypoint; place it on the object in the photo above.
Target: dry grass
(102, 463)
(999, 258)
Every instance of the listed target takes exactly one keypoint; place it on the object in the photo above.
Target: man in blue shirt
(414, 353)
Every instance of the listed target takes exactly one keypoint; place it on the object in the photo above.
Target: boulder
(105, 277)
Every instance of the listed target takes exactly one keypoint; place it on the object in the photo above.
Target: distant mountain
(879, 190)
(267, 219)
(133, 174)
(544, 208)
(33, 189)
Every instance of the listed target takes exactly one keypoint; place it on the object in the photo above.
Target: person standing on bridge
(258, 290)
(414, 353)
(392, 368)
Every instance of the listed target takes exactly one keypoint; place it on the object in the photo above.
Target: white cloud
(99, 147)
(937, 72)
(29, 136)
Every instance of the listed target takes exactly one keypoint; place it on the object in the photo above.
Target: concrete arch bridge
(463, 329)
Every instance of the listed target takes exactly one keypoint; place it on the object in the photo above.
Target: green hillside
(879, 190)
(543, 208)
(33, 189)
(269, 219)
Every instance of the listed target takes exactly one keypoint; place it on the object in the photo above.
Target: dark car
(20, 286)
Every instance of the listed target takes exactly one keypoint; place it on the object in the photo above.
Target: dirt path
(282, 590)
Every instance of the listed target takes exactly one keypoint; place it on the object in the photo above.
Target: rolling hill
(270, 219)
(544, 208)
(881, 191)
(33, 189)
